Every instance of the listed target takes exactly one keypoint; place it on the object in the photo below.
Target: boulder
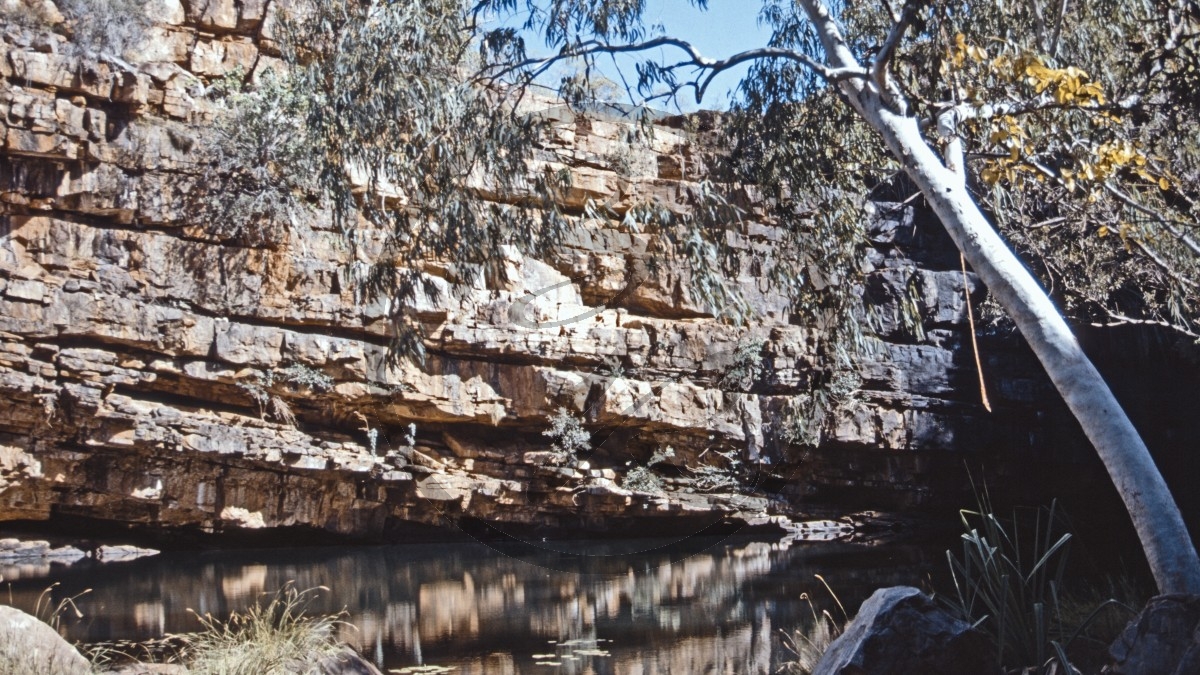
(345, 662)
(899, 631)
(30, 647)
(1163, 640)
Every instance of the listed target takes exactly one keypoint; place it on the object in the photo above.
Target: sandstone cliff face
(152, 375)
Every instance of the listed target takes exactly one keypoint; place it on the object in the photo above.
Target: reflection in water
(592, 609)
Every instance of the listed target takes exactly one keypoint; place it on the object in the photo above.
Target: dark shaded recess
(1156, 376)
(1030, 449)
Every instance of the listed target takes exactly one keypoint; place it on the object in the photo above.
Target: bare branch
(1058, 26)
(892, 11)
(1163, 264)
(1162, 220)
(830, 75)
(1116, 319)
(888, 50)
(708, 67)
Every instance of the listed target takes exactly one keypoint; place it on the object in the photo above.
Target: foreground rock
(346, 662)
(1163, 640)
(900, 631)
(30, 647)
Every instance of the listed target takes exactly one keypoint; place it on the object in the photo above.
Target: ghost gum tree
(1069, 126)
(992, 111)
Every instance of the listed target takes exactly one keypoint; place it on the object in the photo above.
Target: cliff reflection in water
(589, 609)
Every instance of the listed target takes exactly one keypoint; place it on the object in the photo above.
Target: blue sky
(727, 27)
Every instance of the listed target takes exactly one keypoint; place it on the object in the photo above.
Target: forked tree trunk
(1157, 519)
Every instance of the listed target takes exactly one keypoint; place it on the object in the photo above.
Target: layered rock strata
(152, 374)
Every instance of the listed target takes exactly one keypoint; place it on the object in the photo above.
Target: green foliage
(262, 177)
(568, 437)
(301, 375)
(106, 28)
(1081, 131)
(746, 368)
(661, 455)
(1009, 583)
(642, 479)
(375, 128)
(276, 638)
(1079, 122)
(98, 29)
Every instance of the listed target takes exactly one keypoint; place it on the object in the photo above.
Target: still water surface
(637, 606)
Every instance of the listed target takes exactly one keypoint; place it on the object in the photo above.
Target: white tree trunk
(1157, 519)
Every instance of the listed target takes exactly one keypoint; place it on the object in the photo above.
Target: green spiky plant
(1008, 582)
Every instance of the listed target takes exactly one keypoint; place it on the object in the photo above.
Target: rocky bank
(157, 377)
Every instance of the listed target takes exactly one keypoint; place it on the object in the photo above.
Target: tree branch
(1122, 320)
(837, 52)
(712, 67)
(1163, 220)
(1058, 26)
(888, 51)
(1163, 264)
(830, 75)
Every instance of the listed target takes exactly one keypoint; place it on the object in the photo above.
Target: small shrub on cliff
(303, 376)
(642, 479)
(269, 405)
(568, 436)
(105, 30)
(747, 366)
(261, 179)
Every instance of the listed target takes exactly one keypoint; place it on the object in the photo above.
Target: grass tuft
(807, 645)
(273, 639)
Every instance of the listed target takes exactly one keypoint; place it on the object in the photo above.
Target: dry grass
(809, 644)
(273, 639)
(279, 637)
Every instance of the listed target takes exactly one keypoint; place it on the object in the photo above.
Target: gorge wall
(153, 376)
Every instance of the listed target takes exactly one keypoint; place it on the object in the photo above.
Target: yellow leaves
(1008, 132)
(1068, 85)
(1067, 177)
(1116, 155)
(1007, 170)
(1005, 129)
(962, 51)
(1123, 231)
